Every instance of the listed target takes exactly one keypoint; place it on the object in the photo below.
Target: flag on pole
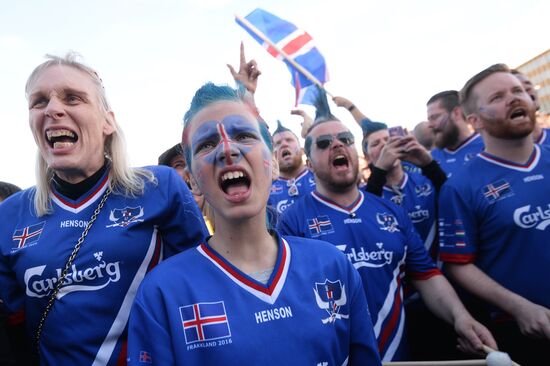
(306, 95)
(286, 42)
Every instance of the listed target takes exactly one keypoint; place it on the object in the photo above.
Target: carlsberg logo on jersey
(419, 214)
(372, 259)
(283, 205)
(526, 218)
(92, 278)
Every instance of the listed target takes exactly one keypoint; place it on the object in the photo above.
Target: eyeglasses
(324, 141)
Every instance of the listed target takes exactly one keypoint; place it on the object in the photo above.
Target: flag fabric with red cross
(27, 235)
(204, 321)
(296, 43)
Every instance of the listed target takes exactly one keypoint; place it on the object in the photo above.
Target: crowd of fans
(439, 251)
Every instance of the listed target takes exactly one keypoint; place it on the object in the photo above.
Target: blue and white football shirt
(451, 160)
(87, 323)
(285, 191)
(382, 244)
(496, 214)
(196, 308)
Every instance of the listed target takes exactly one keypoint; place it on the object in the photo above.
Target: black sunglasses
(325, 141)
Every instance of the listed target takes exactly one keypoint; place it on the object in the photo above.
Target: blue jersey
(417, 196)
(544, 138)
(381, 242)
(87, 323)
(451, 160)
(285, 191)
(499, 221)
(198, 309)
(411, 168)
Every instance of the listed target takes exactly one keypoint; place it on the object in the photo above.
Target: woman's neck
(247, 243)
(77, 190)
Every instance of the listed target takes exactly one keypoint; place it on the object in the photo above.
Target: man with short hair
(294, 180)
(455, 143)
(494, 216)
(376, 236)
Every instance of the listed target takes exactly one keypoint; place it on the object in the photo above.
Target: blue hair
(322, 109)
(211, 93)
(322, 115)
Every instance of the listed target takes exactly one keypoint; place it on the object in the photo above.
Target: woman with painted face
(246, 295)
(74, 248)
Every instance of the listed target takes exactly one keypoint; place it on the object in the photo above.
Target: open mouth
(234, 183)
(518, 113)
(340, 161)
(285, 153)
(61, 138)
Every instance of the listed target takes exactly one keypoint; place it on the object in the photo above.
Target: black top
(75, 191)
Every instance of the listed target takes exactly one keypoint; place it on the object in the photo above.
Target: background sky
(388, 57)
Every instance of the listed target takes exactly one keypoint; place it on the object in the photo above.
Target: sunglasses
(324, 141)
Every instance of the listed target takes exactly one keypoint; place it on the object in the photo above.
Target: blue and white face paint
(230, 159)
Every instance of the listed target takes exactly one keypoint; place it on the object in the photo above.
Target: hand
(389, 154)
(533, 320)
(473, 335)
(248, 72)
(306, 123)
(342, 102)
(415, 153)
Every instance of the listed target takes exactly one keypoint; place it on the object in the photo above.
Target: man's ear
(309, 165)
(274, 168)
(474, 120)
(190, 180)
(458, 114)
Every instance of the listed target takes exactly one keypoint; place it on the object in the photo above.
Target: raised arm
(352, 108)
(248, 72)
(306, 123)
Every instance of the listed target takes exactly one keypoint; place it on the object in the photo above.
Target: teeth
(232, 175)
(339, 157)
(58, 133)
(59, 145)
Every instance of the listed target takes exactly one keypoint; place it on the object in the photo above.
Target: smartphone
(396, 131)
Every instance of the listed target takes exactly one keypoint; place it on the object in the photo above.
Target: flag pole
(296, 65)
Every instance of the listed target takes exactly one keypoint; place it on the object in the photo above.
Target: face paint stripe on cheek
(225, 140)
(487, 112)
(267, 162)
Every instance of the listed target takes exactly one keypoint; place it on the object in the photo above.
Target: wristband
(351, 107)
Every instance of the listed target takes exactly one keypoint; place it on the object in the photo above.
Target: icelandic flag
(27, 235)
(204, 321)
(294, 42)
(496, 190)
(320, 224)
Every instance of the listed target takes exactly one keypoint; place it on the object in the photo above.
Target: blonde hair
(123, 179)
